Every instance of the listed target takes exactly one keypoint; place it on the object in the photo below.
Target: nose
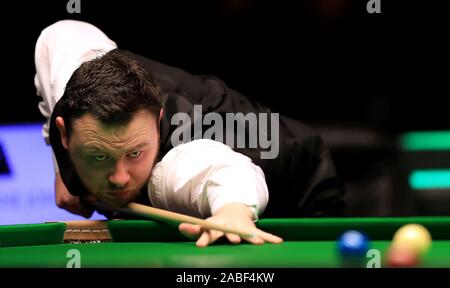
(120, 176)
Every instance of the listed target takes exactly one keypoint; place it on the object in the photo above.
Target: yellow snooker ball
(414, 236)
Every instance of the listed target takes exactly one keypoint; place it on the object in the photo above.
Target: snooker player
(109, 117)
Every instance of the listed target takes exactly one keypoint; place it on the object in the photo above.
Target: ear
(161, 114)
(62, 131)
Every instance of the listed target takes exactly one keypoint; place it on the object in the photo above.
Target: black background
(320, 61)
(359, 79)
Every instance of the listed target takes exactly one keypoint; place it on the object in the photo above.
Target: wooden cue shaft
(144, 210)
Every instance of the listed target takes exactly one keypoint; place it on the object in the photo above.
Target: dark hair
(112, 88)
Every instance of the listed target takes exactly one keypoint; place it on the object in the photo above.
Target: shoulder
(200, 148)
(201, 155)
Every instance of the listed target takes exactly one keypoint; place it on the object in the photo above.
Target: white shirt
(60, 49)
(196, 178)
(199, 177)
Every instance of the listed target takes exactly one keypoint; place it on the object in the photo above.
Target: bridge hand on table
(233, 215)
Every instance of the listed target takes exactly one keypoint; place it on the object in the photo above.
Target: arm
(72, 204)
(207, 179)
(60, 49)
(302, 179)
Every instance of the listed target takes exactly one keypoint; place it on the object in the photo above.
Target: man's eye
(135, 154)
(99, 157)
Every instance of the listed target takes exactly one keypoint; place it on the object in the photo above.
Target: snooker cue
(160, 214)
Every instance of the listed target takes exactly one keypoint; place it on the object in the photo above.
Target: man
(112, 126)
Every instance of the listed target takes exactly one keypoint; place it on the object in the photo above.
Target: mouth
(119, 194)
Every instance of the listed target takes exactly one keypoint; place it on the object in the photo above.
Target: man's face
(114, 162)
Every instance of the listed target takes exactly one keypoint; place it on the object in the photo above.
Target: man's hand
(233, 215)
(71, 203)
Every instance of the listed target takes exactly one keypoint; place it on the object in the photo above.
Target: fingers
(77, 207)
(233, 238)
(68, 202)
(208, 237)
(255, 240)
(266, 237)
(190, 230)
(73, 205)
(205, 237)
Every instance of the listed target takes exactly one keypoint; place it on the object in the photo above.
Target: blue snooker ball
(353, 243)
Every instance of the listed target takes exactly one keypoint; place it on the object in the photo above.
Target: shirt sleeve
(46, 106)
(199, 177)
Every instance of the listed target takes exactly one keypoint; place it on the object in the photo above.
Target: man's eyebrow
(93, 147)
(100, 148)
(138, 146)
